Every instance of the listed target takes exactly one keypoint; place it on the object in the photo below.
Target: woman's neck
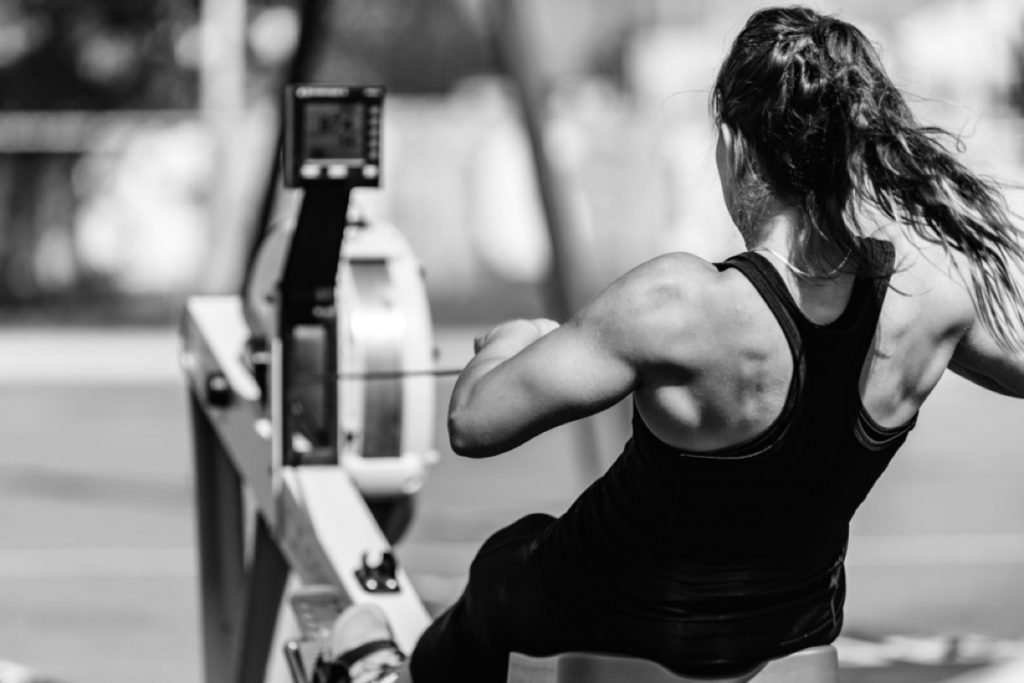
(776, 230)
(781, 232)
(821, 296)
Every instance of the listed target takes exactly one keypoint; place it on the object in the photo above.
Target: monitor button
(337, 171)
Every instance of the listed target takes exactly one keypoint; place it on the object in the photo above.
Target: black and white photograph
(511, 341)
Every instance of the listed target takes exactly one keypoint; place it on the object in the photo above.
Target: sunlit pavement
(97, 567)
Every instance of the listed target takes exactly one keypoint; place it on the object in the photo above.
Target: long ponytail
(821, 125)
(913, 178)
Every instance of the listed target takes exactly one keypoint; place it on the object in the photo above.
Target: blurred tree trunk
(223, 107)
(36, 205)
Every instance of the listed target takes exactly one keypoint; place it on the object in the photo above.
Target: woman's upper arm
(945, 292)
(588, 364)
(979, 359)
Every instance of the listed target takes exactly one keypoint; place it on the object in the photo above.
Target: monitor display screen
(334, 130)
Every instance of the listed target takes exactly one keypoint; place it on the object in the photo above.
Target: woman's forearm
(471, 410)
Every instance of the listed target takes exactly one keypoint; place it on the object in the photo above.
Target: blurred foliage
(410, 45)
(85, 55)
(96, 54)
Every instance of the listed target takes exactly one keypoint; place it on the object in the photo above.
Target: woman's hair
(817, 122)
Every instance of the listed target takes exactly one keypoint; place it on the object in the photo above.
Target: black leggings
(503, 609)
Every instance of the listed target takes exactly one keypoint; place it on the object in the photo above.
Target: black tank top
(712, 562)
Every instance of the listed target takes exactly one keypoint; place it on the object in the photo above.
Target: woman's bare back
(735, 385)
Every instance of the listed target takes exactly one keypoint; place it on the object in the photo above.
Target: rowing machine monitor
(332, 135)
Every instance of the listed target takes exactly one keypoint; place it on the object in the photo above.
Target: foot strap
(339, 670)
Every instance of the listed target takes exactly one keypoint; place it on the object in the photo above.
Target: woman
(770, 391)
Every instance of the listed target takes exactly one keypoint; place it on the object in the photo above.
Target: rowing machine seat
(812, 665)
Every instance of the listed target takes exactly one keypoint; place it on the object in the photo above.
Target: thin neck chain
(803, 273)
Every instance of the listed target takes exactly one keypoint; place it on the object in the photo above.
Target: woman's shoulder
(676, 279)
(667, 307)
(934, 277)
(673, 264)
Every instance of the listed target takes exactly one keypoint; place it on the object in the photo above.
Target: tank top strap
(773, 291)
(884, 256)
(860, 317)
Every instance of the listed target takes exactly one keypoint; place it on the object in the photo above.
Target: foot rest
(316, 607)
(813, 665)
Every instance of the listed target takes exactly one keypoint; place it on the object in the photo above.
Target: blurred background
(137, 150)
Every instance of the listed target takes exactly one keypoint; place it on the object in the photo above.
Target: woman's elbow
(459, 437)
(465, 440)
(460, 445)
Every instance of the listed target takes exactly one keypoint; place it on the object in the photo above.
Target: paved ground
(97, 570)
